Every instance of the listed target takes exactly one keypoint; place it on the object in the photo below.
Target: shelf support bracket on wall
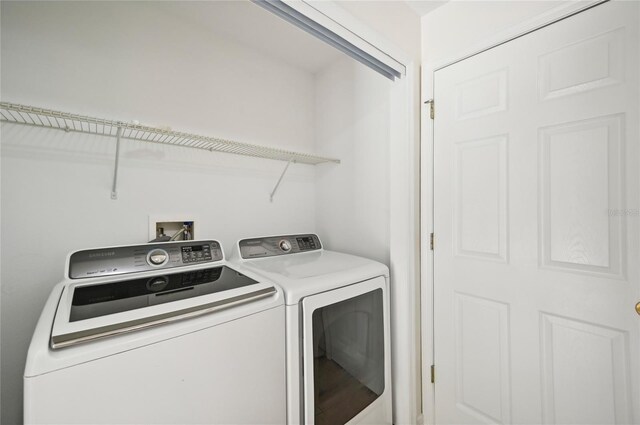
(114, 187)
(286, 167)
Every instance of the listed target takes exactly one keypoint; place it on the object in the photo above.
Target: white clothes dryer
(337, 318)
(162, 333)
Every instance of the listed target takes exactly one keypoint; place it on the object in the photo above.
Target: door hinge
(433, 374)
(431, 241)
(432, 108)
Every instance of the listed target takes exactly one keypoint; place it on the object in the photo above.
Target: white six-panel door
(536, 221)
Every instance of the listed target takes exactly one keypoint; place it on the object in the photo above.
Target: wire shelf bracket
(286, 167)
(114, 186)
(40, 117)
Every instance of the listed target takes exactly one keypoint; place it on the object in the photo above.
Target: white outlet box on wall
(171, 223)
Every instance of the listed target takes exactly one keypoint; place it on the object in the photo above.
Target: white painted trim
(426, 263)
(426, 180)
(361, 30)
(404, 249)
(339, 21)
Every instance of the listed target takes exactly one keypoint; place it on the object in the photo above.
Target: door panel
(580, 168)
(593, 360)
(480, 227)
(482, 349)
(536, 217)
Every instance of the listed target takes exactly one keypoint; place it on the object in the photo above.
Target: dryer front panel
(345, 353)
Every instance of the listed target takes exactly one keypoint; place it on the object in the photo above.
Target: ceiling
(247, 24)
(252, 26)
(422, 7)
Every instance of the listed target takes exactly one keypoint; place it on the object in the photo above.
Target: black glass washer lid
(115, 297)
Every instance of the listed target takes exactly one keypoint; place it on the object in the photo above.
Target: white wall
(352, 123)
(130, 61)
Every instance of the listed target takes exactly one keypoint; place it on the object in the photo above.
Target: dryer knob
(157, 257)
(285, 245)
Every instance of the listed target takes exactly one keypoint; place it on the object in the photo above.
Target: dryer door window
(347, 354)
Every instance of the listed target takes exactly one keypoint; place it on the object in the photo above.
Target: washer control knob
(157, 257)
(285, 245)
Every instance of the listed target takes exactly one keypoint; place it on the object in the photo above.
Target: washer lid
(88, 312)
(310, 273)
(115, 297)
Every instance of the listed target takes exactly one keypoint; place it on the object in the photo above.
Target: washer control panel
(196, 253)
(278, 245)
(141, 258)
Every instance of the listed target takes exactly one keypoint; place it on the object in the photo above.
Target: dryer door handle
(87, 335)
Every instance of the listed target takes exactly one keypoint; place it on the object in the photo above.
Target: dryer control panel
(142, 258)
(278, 245)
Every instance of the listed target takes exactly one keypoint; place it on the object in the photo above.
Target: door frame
(427, 182)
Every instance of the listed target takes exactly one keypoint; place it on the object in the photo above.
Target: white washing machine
(162, 333)
(337, 314)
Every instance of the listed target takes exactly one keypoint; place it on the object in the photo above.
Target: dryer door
(346, 354)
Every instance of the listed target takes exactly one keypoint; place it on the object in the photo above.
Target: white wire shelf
(33, 116)
(29, 115)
